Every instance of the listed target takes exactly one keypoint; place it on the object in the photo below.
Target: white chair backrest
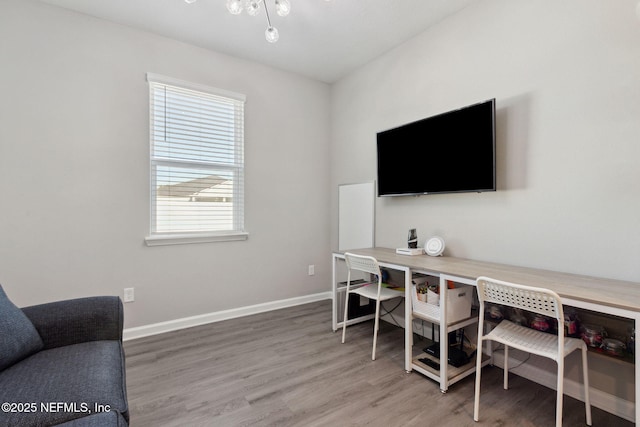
(362, 263)
(536, 300)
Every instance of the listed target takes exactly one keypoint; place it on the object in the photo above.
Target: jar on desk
(593, 335)
(540, 323)
(613, 347)
(571, 323)
(518, 317)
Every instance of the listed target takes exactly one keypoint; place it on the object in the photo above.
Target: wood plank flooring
(288, 368)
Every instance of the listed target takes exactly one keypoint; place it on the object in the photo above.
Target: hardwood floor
(288, 368)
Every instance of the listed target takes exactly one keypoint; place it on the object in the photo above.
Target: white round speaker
(434, 246)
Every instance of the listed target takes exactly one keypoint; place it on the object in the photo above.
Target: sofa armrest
(77, 320)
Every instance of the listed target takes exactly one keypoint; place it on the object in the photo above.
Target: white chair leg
(585, 379)
(476, 402)
(344, 319)
(560, 392)
(505, 380)
(375, 330)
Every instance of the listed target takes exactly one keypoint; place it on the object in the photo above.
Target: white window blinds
(197, 159)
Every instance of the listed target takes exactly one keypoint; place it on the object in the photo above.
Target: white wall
(565, 76)
(74, 171)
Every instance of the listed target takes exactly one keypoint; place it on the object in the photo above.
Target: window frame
(238, 232)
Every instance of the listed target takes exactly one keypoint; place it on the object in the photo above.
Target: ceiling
(320, 39)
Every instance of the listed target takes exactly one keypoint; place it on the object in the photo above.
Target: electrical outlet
(312, 270)
(129, 295)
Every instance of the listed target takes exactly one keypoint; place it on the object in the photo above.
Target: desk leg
(637, 370)
(334, 293)
(444, 337)
(408, 322)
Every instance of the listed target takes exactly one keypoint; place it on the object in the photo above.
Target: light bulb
(234, 7)
(271, 34)
(253, 7)
(283, 7)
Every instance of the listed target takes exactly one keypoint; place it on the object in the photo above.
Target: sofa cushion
(66, 383)
(18, 336)
(77, 320)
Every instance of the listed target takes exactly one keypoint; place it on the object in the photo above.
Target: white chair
(556, 347)
(374, 291)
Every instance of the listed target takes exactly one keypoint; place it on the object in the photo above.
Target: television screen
(451, 152)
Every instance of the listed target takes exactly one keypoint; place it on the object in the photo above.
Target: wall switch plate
(312, 270)
(129, 295)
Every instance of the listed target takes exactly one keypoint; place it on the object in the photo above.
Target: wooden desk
(615, 297)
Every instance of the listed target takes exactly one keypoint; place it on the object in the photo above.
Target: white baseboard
(202, 319)
(605, 401)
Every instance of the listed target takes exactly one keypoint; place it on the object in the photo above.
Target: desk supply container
(459, 302)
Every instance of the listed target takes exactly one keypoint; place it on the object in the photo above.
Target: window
(197, 162)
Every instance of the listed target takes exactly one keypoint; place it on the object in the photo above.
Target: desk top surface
(614, 293)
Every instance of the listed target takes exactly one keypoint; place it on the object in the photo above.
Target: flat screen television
(452, 152)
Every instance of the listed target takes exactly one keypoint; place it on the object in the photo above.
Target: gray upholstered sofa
(62, 363)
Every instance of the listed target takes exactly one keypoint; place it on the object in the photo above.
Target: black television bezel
(492, 102)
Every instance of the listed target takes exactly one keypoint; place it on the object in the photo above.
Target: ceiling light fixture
(235, 7)
(283, 7)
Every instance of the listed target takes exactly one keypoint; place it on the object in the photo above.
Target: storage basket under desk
(459, 301)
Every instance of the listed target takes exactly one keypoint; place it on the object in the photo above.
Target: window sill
(182, 239)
